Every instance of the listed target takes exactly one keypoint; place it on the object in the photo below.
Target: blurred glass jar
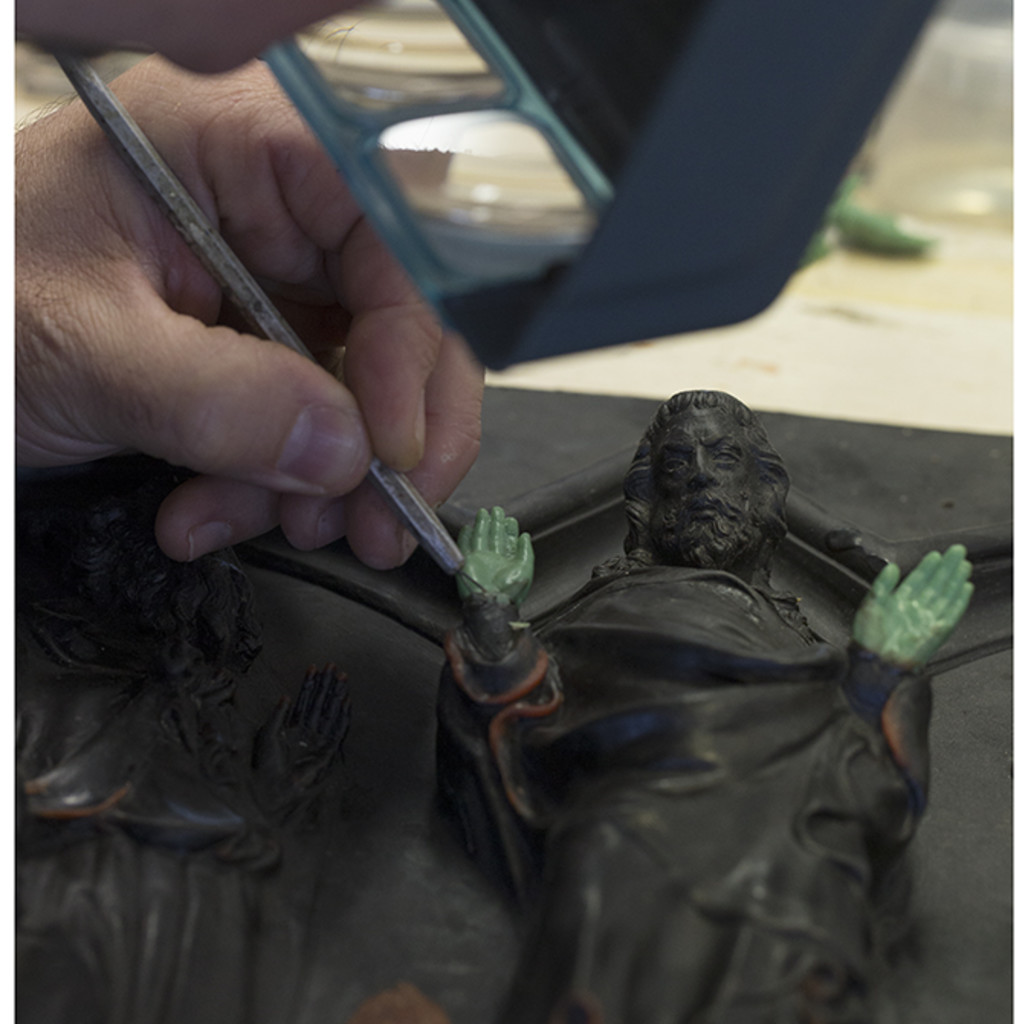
(943, 145)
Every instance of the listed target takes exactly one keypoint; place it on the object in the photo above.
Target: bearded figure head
(706, 489)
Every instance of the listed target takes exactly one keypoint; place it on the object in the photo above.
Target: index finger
(392, 347)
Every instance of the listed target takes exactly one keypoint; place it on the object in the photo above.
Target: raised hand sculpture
(907, 624)
(499, 559)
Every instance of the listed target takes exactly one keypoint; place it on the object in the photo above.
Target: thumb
(209, 398)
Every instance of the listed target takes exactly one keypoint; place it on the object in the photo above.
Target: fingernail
(327, 446)
(411, 451)
(407, 544)
(331, 524)
(208, 537)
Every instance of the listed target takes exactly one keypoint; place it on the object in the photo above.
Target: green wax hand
(876, 232)
(906, 624)
(857, 228)
(499, 559)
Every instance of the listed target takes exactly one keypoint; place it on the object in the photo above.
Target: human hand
(499, 559)
(197, 34)
(907, 624)
(122, 344)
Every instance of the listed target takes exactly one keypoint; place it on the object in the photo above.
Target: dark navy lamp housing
(691, 147)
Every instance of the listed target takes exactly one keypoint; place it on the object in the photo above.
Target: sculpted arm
(897, 629)
(492, 654)
(497, 674)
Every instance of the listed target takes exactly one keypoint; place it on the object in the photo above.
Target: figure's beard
(690, 537)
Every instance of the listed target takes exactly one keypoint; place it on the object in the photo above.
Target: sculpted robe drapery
(699, 798)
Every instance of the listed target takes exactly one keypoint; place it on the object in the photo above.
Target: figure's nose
(703, 471)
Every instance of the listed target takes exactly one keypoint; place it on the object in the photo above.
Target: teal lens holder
(351, 134)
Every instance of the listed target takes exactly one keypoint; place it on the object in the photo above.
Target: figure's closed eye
(726, 456)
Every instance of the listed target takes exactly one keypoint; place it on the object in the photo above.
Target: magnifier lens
(489, 193)
(388, 56)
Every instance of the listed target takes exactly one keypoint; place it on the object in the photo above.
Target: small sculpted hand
(499, 559)
(122, 343)
(907, 623)
(296, 748)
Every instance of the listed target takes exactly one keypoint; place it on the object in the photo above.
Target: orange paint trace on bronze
(458, 665)
(403, 1004)
(35, 788)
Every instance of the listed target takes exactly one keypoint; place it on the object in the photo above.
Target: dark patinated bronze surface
(191, 850)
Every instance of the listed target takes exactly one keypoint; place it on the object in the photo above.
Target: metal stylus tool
(238, 284)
